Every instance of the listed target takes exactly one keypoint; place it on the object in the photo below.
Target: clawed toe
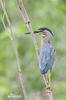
(49, 88)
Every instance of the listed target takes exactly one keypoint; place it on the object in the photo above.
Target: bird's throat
(44, 41)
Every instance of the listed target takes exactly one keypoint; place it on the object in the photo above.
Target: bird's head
(44, 32)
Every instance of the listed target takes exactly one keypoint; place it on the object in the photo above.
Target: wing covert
(47, 57)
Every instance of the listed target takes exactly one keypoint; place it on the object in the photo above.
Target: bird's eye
(44, 34)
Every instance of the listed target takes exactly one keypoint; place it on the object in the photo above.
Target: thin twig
(27, 21)
(49, 92)
(15, 48)
(5, 27)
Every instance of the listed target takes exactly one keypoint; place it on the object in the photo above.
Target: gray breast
(46, 59)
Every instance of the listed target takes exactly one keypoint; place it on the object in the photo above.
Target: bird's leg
(47, 84)
(49, 79)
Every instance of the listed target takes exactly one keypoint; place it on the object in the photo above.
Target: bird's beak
(33, 32)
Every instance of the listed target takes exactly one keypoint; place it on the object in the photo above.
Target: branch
(27, 21)
(5, 27)
(49, 92)
(15, 48)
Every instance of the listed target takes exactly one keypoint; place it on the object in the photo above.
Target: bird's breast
(46, 58)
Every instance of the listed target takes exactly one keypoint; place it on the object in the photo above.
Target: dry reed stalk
(27, 21)
(15, 49)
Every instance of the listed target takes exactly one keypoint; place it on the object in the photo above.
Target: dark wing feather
(46, 59)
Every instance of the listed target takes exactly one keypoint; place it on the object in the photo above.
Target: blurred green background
(42, 13)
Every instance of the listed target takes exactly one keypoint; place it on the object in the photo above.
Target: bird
(47, 52)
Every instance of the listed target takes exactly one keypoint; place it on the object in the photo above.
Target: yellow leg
(49, 79)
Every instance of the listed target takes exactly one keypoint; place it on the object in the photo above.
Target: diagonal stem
(15, 48)
(27, 21)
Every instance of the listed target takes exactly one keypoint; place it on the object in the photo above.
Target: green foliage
(45, 13)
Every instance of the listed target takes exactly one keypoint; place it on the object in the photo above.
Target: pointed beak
(33, 32)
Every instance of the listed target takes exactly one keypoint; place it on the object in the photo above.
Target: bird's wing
(53, 55)
(46, 57)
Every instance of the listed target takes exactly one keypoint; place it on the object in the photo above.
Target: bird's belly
(46, 59)
(44, 69)
(46, 64)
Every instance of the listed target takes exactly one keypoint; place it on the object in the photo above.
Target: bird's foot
(49, 88)
(47, 92)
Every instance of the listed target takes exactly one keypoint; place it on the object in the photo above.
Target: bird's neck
(44, 41)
